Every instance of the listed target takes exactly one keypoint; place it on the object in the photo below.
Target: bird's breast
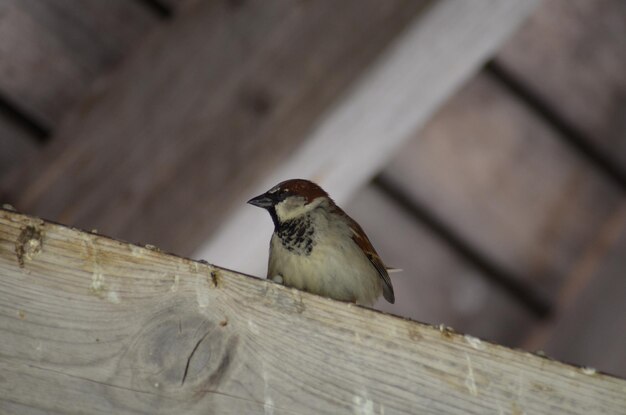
(297, 236)
(324, 260)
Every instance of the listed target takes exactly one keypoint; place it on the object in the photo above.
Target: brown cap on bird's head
(293, 187)
(301, 187)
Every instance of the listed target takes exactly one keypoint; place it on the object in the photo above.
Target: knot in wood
(28, 244)
(180, 352)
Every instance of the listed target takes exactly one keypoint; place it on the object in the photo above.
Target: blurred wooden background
(507, 211)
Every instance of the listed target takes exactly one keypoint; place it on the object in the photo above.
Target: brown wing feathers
(359, 237)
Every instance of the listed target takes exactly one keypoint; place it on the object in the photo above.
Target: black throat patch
(296, 235)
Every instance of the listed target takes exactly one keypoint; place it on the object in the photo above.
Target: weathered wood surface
(221, 94)
(509, 186)
(436, 285)
(90, 324)
(51, 51)
(355, 138)
(572, 54)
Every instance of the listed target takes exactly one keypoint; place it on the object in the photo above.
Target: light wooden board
(436, 285)
(508, 185)
(572, 54)
(355, 138)
(200, 111)
(51, 51)
(90, 324)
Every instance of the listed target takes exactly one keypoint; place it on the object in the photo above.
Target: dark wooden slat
(589, 329)
(572, 55)
(217, 96)
(436, 285)
(16, 144)
(613, 171)
(507, 184)
(514, 286)
(51, 51)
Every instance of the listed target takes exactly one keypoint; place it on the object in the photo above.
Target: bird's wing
(359, 237)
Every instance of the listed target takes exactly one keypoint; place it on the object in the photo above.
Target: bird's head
(290, 199)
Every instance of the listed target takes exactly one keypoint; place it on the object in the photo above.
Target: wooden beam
(51, 51)
(90, 324)
(207, 105)
(357, 137)
(508, 185)
(571, 55)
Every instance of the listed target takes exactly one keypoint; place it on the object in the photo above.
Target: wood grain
(96, 325)
(572, 54)
(51, 51)
(216, 97)
(508, 185)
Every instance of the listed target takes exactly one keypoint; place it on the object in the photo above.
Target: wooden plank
(381, 112)
(491, 170)
(254, 81)
(16, 144)
(589, 328)
(572, 54)
(93, 324)
(51, 51)
(436, 285)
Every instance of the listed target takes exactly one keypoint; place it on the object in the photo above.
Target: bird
(317, 247)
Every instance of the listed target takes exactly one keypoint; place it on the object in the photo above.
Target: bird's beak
(263, 201)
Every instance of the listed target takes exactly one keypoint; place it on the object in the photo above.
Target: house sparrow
(317, 247)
